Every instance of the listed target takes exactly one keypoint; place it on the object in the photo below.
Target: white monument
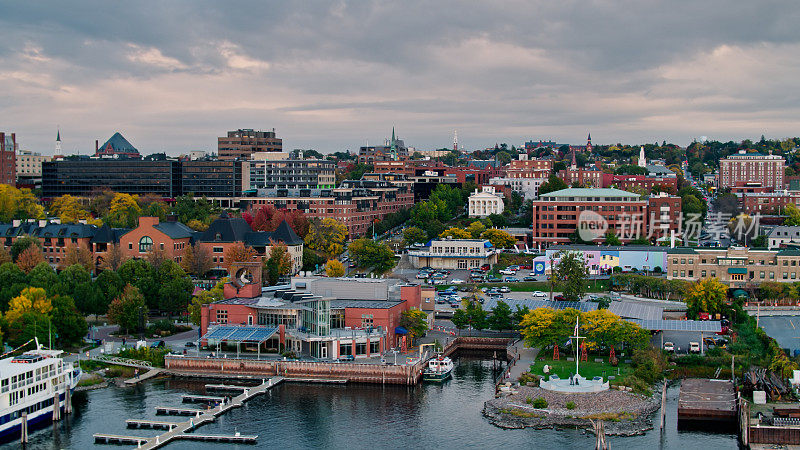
(576, 383)
(642, 160)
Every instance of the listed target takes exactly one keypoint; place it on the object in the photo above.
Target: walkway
(150, 374)
(527, 356)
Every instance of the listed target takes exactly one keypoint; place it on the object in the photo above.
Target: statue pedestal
(583, 385)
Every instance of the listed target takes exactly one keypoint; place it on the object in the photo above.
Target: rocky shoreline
(623, 413)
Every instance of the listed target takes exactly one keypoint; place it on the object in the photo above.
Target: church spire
(574, 164)
(58, 142)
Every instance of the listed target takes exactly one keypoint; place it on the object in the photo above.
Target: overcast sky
(173, 75)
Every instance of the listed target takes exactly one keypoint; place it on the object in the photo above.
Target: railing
(123, 361)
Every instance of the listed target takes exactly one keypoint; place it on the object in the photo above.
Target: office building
(242, 143)
(292, 174)
(737, 267)
(8, 160)
(82, 176)
(214, 178)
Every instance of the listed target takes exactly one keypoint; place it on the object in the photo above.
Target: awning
(740, 293)
(246, 334)
(738, 270)
(400, 330)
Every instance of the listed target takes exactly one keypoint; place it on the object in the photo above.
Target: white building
(527, 187)
(485, 202)
(780, 236)
(29, 164)
(454, 254)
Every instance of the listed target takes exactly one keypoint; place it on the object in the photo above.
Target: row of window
(361, 348)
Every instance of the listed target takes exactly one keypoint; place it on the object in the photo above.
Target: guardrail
(123, 361)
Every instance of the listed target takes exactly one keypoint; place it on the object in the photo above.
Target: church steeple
(58, 142)
(393, 146)
(589, 143)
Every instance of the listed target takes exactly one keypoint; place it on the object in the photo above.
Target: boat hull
(436, 377)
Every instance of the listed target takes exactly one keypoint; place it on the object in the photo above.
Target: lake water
(294, 415)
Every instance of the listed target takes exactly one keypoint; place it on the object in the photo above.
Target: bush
(540, 403)
(529, 400)
(649, 364)
(528, 379)
(570, 405)
(154, 356)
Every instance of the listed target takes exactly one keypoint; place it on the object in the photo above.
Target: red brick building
(8, 158)
(171, 237)
(586, 177)
(752, 168)
(768, 202)
(529, 168)
(628, 182)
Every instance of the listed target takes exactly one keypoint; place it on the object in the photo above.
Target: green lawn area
(588, 369)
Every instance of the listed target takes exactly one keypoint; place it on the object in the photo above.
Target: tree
(126, 309)
(503, 157)
(68, 209)
(124, 211)
(81, 256)
(67, 320)
(18, 204)
(476, 316)
(71, 277)
(499, 238)
(30, 258)
(90, 300)
(196, 260)
(611, 238)
(21, 244)
(27, 326)
(571, 273)
(113, 259)
(203, 298)
(311, 260)
(326, 236)
(43, 276)
(706, 295)
(501, 318)
(460, 319)
(475, 229)
(239, 252)
(728, 204)
(278, 264)
(415, 321)
(29, 300)
(790, 210)
(369, 253)
(544, 326)
(12, 281)
(109, 286)
(414, 235)
(334, 268)
(140, 274)
(175, 287)
(552, 184)
(455, 233)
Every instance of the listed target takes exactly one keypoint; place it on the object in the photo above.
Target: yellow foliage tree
(455, 233)
(707, 295)
(334, 268)
(499, 238)
(30, 299)
(475, 229)
(124, 211)
(18, 204)
(68, 209)
(30, 258)
(327, 236)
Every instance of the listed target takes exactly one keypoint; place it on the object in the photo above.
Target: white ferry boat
(439, 369)
(30, 383)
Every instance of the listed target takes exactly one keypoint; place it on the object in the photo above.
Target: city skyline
(334, 77)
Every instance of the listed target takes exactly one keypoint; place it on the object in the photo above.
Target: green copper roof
(681, 251)
(591, 192)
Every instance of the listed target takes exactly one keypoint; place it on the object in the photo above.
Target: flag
(576, 326)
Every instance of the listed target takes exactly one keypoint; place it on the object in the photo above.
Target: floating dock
(708, 402)
(226, 387)
(189, 398)
(178, 430)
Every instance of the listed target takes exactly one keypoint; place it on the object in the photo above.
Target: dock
(225, 387)
(178, 430)
(708, 402)
(189, 398)
(153, 424)
(146, 376)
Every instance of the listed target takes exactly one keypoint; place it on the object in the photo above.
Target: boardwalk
(201, 417)
(150, 374)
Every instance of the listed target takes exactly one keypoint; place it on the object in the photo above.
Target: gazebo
(239, 334)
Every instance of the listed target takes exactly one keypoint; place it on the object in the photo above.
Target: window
(130, 245)
(772, 275)
(366, 320)
(703, 273)
(345, 349)
(161, 246)
(714, 273)
(145, 244)
(674, 273)
(218, 250)
(361, 348)
(222, 316)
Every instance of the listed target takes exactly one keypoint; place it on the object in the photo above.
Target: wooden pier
(189, 398)
(172, 411)
(225, 387)
(154, 424)
(708, 402)
(201, 417)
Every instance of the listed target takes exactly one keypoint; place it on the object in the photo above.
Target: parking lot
(681, 339)
(785, 330)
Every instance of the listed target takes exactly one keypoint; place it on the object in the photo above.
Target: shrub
(570, 405)
(528, 379)
(529, 400)
(540, 403)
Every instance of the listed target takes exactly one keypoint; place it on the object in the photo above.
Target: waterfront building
(358, 204)
(558, 215)
(291, 174)
(8, 164)
(116, 147)
(740, 267)
(454, 254)
(484, 202)
(242, 143)
(752, 168)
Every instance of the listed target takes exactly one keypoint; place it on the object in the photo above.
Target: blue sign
(538, 267)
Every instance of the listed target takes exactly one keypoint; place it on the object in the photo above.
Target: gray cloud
(330, 75)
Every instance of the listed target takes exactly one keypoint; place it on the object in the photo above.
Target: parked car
(529, 278)
(493, 279)
(539, 294)
(511, 279)
(669, 346)
(159, 344)
(507, 272)
(694, 347)
(514, 268)
(504, 289)
(485, 267)
(190, 344)
(422, 275)
(560, 298)
(352, 264)
(457, 281)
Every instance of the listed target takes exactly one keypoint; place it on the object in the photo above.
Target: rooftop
(590, 192)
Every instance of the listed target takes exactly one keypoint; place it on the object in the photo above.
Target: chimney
(96, 146)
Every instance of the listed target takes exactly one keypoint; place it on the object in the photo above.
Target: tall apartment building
(746, 168)
(292, 174)
(558, 215)
(8, 164)
(243, 143)
(29, 164)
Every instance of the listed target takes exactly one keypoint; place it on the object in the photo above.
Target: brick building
(558, 215)
(529, 168)
(292, 174)
(643, 182)
(242, 143)
(768, 202)
(734, 266)
(586, 177)
(8, 158)
(170, 237)
(749, 167)
(56, 238)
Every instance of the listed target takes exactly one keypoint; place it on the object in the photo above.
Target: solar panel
(636, 310)
(536, 304)
(240, 333)
(705, 326)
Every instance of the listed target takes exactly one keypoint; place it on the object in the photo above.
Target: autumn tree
(327, 236)
(18, 204)
(415, 321)
(475, 229)
(239, 252)
(20, 244)
(334, 268)
(124, 211)
(499, 238)
(69, 209)
(278, 264)
(455, 233)
(374, 254)
(204, 298)
(113, 259)
(126, 309)
(30, 258)
(29, 300)
(542, 327)
(156, 257)
(197, 260)
(706, 295)
(81, 256)
(414, 235)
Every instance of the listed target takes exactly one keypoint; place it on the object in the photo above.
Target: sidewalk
(527, 356)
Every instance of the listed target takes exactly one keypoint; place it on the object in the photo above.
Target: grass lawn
(588, 369)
